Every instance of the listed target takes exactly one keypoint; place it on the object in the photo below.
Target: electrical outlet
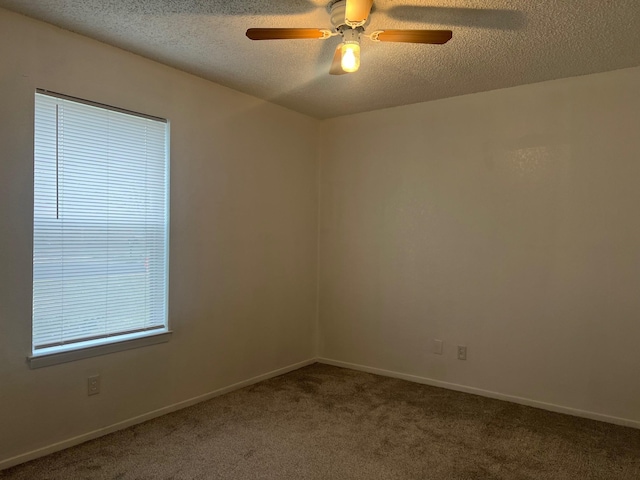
(93, 385)
(462, 352)
(437, 347)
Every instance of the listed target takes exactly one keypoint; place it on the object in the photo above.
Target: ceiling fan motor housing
(337, 10)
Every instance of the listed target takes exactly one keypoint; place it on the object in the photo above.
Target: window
(100, 225)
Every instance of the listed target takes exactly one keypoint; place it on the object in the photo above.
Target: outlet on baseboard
(93, 385)
(462, 352)
(437, 347)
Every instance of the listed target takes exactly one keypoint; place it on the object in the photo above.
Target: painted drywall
(505, 221)
(243, 238)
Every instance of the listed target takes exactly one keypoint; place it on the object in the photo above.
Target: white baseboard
(485, 393)
(70, 442)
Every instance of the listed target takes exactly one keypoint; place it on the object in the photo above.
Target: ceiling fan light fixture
(350, 49)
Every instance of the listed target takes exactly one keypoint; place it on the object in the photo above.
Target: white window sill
(47, 359)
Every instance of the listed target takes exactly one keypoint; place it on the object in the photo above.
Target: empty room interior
(311, 239)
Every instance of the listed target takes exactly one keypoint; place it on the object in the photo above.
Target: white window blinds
(100, 224)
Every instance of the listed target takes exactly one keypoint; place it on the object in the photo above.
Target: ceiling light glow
(350, 57)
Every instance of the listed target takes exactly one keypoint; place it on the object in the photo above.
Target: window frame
(73, 350)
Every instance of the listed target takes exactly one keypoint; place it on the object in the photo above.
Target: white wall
(243, 259)
(506, 221)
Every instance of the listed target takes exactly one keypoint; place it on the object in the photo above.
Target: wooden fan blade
(357, 11)
(336, 65)
(437, 37)
(285, 33)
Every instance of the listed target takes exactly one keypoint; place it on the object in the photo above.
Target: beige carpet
(322, 422)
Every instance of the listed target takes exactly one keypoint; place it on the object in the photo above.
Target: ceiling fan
(350, 19)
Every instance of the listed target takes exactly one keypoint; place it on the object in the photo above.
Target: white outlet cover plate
(462, 352)
(93, 385)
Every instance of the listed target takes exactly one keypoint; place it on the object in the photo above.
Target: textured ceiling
(496, 44)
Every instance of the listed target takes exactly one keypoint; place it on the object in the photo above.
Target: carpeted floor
(323, 422)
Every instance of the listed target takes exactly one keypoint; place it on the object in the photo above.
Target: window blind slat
(100, 223)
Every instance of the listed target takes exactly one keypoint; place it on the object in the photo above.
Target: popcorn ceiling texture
(496, 44)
